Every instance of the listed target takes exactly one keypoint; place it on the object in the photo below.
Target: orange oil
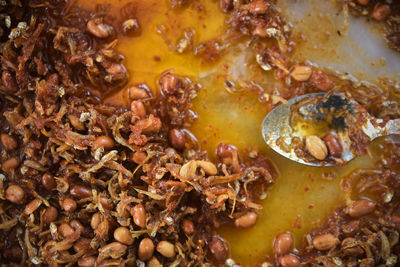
(302, 196)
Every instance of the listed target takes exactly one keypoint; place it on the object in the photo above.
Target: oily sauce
(302, 196)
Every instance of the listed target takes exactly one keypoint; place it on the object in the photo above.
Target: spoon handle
(374, 131)
(392, 127)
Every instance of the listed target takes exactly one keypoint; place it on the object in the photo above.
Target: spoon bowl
(277, 128)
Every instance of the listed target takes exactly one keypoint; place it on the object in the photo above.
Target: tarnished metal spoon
(276, 125)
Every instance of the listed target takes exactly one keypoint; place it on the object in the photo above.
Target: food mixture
(85, 182)
(337, 124)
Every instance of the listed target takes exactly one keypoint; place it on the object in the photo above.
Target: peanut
(99, 29)
(283, 243)
(103, 141)
(153, 262)
(48, 182)
(333, 144)
(301, 73)
(166, 249)
(361, 207)
(177, 139)
(139, 215)
(350, 247)
(325, 242)
(247, 220)
(87, 261)
(69, 205)
(188, 226)
(50, 215)
(10, 164)
(316, 147)
(32, 206)
(80, 191)
(65, 230)
(136, 93)
(381, 12)
(9, 142)
(114, 250)
(289, 261)
(218, 249)
(321, 81)
(146, 249)
(123, 235)
(15, 194)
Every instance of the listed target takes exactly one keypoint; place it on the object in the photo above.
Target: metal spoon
(276, 124)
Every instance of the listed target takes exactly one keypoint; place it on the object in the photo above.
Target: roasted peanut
(114, 250)
(9, 82)
(50, 215)
(350, 247)
(77, 226)
(150, 125)
(139, 157)
(247, 220)
(325, 242)
(361, 207)
(257, 7)
(316, 147)
(289, 261)
(82, 245)
(218, 249)
(95, 221)
(166, 249)
(48, 182)
(138, 109)
(32, 206)
(103, 141)
(301, 73)
(123, 235)
(321, 81)
(334, 146)
(381, 12)
(226, 5)
(65, 230)
(9, 142)
(351, 227)
(80, 191)
(153, 262)
(116, 69)
(139, 215)
(87, 261)
(177, 139)
(169, 83)
(106, 203)
(188, 226)
(283, 243)
(99, 29)
(226, 153)
(136, 93)
(10, 164)
(69, 205)
(146, 249)
(15, 194)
